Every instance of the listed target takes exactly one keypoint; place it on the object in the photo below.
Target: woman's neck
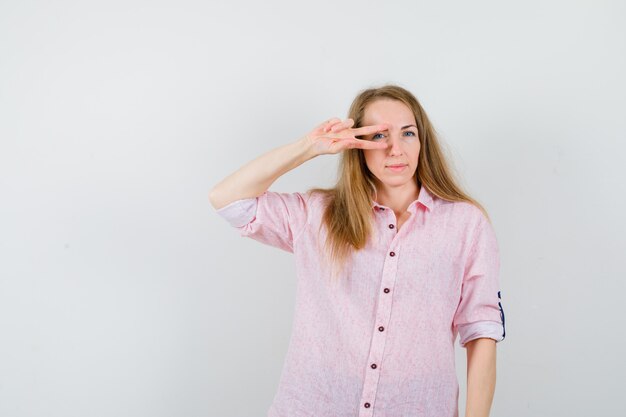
(398, 199)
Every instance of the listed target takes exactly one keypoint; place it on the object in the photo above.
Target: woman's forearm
(255, 177)
(481, 376)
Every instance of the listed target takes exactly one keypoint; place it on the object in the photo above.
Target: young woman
(392, 264)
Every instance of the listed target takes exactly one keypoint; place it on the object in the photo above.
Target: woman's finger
(343, 125)
(366, 144)
(331, 122)
(328, 123)
(331, 125)
(365, 130)
(351, 143)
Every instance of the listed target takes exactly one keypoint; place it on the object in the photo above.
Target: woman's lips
(396, 168)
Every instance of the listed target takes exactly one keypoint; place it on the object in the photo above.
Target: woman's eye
(375, 136)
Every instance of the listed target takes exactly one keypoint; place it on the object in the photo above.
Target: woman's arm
(481, 376)
(255, 177)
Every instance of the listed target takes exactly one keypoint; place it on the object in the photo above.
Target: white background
(122, 292)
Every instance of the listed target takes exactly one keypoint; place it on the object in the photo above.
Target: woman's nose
(394, 144)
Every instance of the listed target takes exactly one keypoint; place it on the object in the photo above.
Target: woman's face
(403, 145)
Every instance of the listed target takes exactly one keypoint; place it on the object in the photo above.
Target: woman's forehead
(393, 112)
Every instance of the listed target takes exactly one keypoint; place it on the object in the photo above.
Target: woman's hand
(334, 136)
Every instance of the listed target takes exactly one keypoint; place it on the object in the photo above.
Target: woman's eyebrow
(402, 128)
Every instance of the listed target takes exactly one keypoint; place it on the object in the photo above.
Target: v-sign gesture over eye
(334, 136)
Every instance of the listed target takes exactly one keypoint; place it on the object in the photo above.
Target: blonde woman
(392, 263)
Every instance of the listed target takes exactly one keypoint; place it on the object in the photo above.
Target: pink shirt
(381, 342)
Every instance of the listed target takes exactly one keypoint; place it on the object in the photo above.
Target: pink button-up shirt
(380, 341)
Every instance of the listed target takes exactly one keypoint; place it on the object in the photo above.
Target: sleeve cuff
(239, 212)
(485, 328)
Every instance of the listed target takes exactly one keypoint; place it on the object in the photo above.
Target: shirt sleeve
(479, 313)
(273, 218)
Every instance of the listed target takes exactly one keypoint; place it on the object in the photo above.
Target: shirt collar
(425, 198)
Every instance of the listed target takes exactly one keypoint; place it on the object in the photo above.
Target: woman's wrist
(307, 149)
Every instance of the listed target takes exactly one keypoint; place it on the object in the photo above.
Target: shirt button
(391, 226)
(386, 290)
(373, 366)
(392, 254)
(366, 405)
(381, 328)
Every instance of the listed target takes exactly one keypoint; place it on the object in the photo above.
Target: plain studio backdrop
(123, 293)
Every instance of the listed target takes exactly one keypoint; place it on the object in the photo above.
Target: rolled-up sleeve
(480, 313)
(273, 218)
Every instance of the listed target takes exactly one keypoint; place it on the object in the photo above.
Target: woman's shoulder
(463, 211)
(317, 198)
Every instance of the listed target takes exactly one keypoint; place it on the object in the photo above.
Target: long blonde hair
(348, 215)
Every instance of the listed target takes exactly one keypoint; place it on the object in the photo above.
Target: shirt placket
(379, 336)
